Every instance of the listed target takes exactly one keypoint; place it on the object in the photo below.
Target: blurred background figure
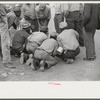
(43, 15)
(59, 17)
(26, 8)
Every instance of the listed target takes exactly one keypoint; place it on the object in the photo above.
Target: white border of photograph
(46, 89)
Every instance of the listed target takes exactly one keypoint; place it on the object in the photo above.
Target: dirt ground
(80, 70)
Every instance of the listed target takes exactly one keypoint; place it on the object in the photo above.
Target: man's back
(37, 37)
(19, 39)
(48, 45)
(68, 39)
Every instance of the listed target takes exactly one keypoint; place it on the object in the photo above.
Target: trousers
(70, 54)
(58, 19)
(75, 21)
(43, 55)
(89, 43)
(5, 40)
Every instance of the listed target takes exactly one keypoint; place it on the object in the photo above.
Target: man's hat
(16, 8)
(28, 14)
(62, 25)
(25, 24)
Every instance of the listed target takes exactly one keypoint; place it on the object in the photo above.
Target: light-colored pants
(5, 41)
(43, 55)
(12, 32)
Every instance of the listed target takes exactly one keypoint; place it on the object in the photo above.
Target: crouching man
(68, 43)
(45, 54)
(34, 41)
(20, 39)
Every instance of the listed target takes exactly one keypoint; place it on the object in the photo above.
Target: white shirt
(37, 37)
(73, 6)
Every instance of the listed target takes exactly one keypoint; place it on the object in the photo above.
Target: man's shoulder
(11, 14)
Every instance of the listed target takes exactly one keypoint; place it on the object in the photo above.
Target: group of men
(24, 33)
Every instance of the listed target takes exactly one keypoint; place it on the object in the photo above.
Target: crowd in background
(40, 32)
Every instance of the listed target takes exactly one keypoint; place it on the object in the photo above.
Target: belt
(34, 42)
(74, 11)
(73, 50)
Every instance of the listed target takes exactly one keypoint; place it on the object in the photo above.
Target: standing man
(59, 17)
(74, 17)
(43, 15)
(5, 39)
(26, 8)
(17, 12)
(91, 16)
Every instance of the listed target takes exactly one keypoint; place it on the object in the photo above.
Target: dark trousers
(70, 54)
(58, 19)
(75, 21)
(89, 43)
(18, 51)
(35, 25)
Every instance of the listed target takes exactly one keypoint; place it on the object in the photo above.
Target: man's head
(17, 10)
(63, 26)
(28, 15)
(8, 8)
(42, 6)
(26, 26)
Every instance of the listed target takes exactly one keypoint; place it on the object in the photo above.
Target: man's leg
(72, 54)
(5, 41)
(89, 44)
(79, 29)
(47, 62)
(58, 19)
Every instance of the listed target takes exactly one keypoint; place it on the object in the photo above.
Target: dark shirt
(91, 14)
(19, 39)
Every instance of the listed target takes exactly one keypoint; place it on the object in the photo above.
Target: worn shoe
(9, 65)
(30, 60)
(42, 65)
(36, 64)
(69, 61)
(22, 58)
(89, 59)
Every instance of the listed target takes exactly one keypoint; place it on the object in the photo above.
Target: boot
(42, 65)
(30, 60)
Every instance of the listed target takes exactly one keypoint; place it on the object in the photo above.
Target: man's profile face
(17, 13)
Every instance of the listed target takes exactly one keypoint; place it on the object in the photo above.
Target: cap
(27, 14)
(62, 25)
(16, 8)
(25, 24)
